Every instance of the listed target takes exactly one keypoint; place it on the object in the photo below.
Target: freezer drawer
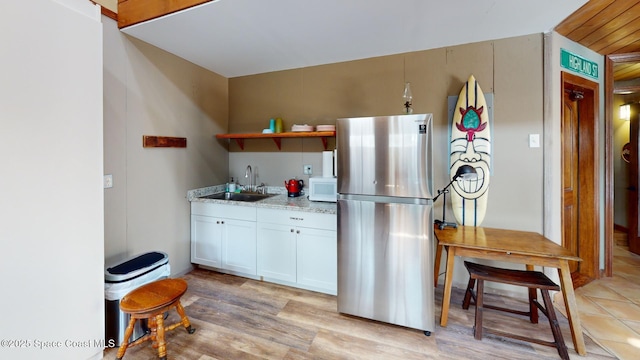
(385, 262)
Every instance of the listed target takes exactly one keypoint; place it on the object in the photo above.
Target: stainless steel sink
(247, 197)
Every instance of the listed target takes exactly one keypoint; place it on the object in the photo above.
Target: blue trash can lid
(135, 266)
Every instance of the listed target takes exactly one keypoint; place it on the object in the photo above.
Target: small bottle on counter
(232, 185)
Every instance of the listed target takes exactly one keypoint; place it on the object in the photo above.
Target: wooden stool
(150, 302)
(531, 279)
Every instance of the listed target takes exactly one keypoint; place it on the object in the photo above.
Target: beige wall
(148, 91)
(509, 68)
(620, 167)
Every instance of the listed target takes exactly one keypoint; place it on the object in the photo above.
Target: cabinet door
(317, 259)
(239, 246)
(277, 252)
(206, 241)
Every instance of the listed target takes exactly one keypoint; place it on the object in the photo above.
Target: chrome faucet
(249, 174)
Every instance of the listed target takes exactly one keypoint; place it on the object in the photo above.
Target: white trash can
(122, 278)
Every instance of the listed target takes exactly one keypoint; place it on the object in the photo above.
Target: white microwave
(323, 189)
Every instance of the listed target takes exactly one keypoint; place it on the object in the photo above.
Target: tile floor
(610, 307)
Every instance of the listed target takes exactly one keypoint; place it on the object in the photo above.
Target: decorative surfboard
(470, 145)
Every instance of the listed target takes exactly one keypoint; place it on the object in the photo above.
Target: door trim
(588, 178)
(610, 61)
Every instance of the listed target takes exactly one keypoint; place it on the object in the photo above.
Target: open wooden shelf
(239, 138)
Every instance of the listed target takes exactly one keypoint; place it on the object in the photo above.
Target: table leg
(448, 281)
(572, 307)
(436, 267)
(533, 296)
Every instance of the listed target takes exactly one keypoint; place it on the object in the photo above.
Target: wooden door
(633, 201)
(580, 176)
(570, 185)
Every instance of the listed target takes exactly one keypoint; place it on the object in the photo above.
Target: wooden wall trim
(163, 141)
(618, 227)
(623, 58)
(131, 12)
(108, 13)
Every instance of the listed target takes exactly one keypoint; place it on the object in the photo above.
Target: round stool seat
(150, 302)
(153, 296)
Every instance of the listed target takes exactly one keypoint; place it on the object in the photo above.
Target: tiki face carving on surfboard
(470, 145)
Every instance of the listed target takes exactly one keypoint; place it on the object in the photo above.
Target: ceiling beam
(131, 12)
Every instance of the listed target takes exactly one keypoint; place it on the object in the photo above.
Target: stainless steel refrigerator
(385, 219)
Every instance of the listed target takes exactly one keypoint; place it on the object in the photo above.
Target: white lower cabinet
(317, 260)
(293, 248)
(206, 241)
(276, 252)
(298, 249)
(224, 237)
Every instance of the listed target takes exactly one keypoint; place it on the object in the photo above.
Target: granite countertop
(280, 201)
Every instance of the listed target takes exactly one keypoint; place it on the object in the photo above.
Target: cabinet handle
(291, 230)
(298, 232)
(221, 222)
(218, 222)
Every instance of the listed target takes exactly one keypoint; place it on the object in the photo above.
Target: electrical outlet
(307, 169)
(107, 181)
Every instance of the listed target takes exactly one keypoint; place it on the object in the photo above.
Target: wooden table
(529, 248)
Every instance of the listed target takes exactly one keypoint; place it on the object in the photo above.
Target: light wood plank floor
(238, 318)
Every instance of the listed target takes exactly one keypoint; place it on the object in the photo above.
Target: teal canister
(272, 125)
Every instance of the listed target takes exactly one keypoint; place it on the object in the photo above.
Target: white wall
(148, 91)
(51, 252)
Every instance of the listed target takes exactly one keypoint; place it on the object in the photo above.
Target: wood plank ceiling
(607, 27)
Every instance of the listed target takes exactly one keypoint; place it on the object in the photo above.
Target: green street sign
(577, 63)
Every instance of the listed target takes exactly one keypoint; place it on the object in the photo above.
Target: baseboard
(620, 228)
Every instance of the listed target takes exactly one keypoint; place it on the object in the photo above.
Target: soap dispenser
(232, 185)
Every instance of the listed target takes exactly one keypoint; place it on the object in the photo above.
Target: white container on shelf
(301, 128)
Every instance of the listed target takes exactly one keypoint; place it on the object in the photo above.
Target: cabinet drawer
(224, 211)
(298, 218)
